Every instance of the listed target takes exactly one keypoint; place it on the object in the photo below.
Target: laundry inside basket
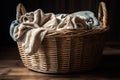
(33, 26)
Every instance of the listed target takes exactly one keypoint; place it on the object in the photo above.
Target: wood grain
(14, 70)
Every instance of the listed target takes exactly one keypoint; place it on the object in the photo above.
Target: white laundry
(35, 25)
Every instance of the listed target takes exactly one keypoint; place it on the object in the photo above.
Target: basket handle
(102, 14)
(20, 10)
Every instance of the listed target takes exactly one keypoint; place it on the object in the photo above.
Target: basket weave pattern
(67, 53)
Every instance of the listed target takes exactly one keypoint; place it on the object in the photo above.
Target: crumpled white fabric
(32, 29)
(35, 25)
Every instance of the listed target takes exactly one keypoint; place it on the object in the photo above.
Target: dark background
(8, 14)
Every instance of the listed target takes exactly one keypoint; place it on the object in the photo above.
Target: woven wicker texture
(68, 51)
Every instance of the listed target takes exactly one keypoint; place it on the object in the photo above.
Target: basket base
(59, 72)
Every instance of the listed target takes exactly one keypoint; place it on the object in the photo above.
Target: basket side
(65, 54)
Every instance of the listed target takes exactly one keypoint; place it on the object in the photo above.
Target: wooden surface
(14, 70)
(108, 69)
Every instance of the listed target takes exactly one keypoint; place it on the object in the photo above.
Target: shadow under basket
(75, 52)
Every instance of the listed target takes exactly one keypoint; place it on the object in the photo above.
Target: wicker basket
(76, 51)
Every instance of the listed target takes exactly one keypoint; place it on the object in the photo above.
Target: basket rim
(75, 32)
